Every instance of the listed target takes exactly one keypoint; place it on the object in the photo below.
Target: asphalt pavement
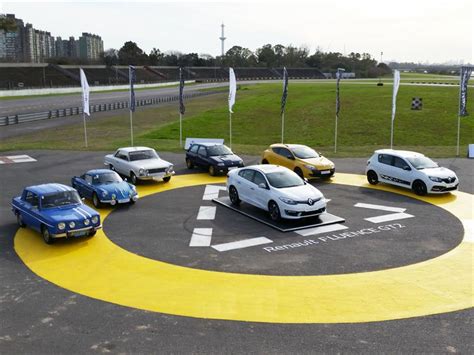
(37, 316)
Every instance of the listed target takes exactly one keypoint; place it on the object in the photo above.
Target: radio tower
(222, 38)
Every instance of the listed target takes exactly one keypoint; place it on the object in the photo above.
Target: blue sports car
(56, 211)
(104, 186)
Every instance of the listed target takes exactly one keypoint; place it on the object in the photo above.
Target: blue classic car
(104, 186)
(56, 211)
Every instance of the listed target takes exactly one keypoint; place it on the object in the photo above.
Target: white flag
(396, 84)
(85, 93)
(232, 89)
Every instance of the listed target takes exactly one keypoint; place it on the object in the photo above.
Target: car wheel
(189, 163)
(372, 177)
(274, 211)
(419, 187)
(212, 170)
(264, 161)
(234, 196)
(19, 220)
(48, 239)
(167, 178)
(299, 173)
(96, 201)
(133, 178)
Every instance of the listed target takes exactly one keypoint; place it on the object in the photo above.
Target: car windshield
(422, 163)
(143, 154)
(304, 153)
(284, 178)
(107, 178)
(63, 198)
(218, 150)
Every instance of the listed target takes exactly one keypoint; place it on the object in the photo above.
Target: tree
(131, 54)
(266, 56)
(238, 57)
(155, 57)
(8, 24)
(110, 57)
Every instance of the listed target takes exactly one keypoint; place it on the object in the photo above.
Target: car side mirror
(83, 199)
(291, 157)
(125, 179)
(262, 185)
(407, 168)
(305, 179)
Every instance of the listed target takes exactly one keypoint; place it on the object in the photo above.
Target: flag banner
(182, 109)
(396, 85)
(465, 75)
(338, 79)
(132, 79)
(85, 93)
(285, 90)
(232, 89)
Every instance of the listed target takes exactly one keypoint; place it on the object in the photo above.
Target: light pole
(338, 78)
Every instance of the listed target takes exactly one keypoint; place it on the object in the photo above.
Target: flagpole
(282, 126)
(335, 134)
(85, 128)
(131, 127)
(459, 114)
(230, 129)
(180, 129)
(391, 135)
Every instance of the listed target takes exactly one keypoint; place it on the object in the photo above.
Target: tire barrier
(74, 111)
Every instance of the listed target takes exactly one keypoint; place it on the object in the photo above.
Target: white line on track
(389, 217)
(206, 213)
(201, 237)
(242, 244)
(212, 191)
(321, 230)
(380, 207)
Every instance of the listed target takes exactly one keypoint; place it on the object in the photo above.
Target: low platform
(283, 225)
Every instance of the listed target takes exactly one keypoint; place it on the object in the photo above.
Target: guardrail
(73, 111)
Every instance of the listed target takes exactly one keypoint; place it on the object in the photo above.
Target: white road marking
(212, 191)
(468, 230)
(10, 159)
(242, 244)
(380, 207)
(321, 230)
(389, 217)
(206, 213)
(201, 237)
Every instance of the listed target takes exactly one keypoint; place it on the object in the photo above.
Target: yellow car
(303, 160)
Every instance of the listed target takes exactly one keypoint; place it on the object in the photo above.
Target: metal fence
(73, 111)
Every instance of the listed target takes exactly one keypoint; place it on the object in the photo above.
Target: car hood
(76, 213)
(320, 163)
(301, 193)
(150, 163)
(438, 172)
(226, 159)
(120, 189)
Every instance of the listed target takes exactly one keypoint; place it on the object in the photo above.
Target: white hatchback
(410, 169)
(277, 190)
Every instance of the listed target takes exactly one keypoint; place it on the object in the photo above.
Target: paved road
(39, 317)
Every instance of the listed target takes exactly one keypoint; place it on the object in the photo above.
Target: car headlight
(114, 196)
(86, 222)
(220, 164)
(95, 219)
(61, 225)
(72, 224)
(288, 201)
(169, 169)
(142, 172)
(310, 167)
(435, 179)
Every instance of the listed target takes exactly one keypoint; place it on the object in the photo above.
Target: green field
(364, 121)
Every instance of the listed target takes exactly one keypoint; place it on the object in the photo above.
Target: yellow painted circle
(100, 269)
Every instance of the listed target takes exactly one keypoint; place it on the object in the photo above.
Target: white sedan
(277, 190)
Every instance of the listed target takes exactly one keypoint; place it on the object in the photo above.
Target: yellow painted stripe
(100, 269)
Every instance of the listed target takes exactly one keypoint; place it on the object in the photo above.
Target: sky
(434, 31)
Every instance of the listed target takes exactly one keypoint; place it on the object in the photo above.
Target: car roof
(46, 189)
(266, 168)
(134, 149)
(207, 144)
(99, 171)
(281, 145)
(399, 153)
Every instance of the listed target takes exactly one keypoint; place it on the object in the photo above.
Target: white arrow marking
(212, 191)
(201, 237)
(320, 230)
(385, 218)
(242, 244)
(206, 213)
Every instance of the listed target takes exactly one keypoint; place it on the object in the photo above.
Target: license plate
(123, 201)
(232, 167)
(324, 172)
(79, 234)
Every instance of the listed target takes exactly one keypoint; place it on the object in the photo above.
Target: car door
(260, 192)
(87, 187)
(287, 159)
(275, 157)
(244, 183)
(192, 153)
(385, 167)
(202, 159)
(31, 205)
(402, 173)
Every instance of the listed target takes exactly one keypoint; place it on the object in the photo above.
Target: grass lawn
(364, 121)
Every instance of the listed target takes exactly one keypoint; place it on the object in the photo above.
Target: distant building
(27, 44)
